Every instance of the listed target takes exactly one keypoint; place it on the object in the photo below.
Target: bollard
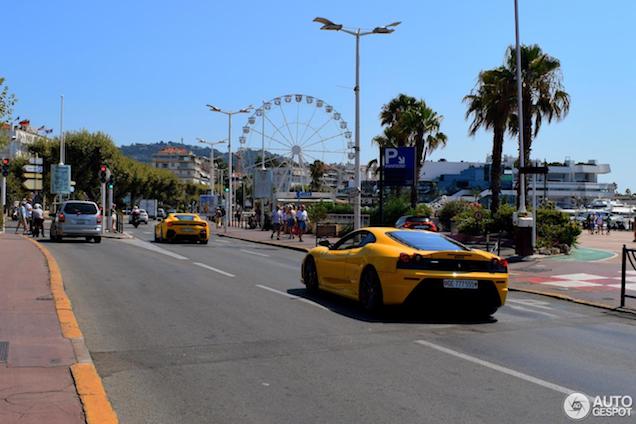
(634, 228)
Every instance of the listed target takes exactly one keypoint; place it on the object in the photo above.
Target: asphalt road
(224, 333)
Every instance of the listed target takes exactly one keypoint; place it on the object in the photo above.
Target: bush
(554, 228)
(473, 220)
(317, 212)
(394, 208)
(502, 220)
(421, 209)
(449, 210)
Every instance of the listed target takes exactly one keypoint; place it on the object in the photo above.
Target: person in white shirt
(277, 217)
(37, 216)
(301, 218)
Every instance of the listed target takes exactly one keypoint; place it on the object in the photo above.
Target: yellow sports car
(182, 226)
(389, 266)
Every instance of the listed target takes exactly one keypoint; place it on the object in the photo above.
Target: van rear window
(80, 208)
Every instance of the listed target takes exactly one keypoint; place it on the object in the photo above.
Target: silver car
(77, 218)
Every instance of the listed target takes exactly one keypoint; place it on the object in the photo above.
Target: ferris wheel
(290, 132)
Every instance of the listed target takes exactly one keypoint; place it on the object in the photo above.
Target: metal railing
(628, 255)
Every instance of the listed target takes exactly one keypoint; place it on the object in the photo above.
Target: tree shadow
(400, 314)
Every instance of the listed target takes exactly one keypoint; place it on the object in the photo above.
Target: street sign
(263, 184)
(399, 166)
(32, 175)
(303, 194)
(35, 161)
(208, 204)
(33, 168)
(32, 184)
(61, 179)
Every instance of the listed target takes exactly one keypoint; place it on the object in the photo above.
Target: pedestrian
(277, 217)
(291, 221)
(38, 220)
(301, 218)
(29, 214)
(22, 218)
(217, 217)
(608, 222)
(589, 224)
(599, 223)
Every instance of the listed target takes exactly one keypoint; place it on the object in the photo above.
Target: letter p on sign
(390, 154)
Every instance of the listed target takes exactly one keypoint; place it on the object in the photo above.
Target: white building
(18, 138)
(184, 164)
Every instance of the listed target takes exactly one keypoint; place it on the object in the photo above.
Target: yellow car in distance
(392, 266)
(182, 226)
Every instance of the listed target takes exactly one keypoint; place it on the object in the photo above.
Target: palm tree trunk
(527, 140)
(420, 153)
(495, 168)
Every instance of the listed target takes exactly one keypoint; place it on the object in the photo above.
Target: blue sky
(143, 70)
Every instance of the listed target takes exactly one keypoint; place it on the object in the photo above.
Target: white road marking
(531, 302)
(521, 308)
(153, 248)
(211, 268)
(291, 296)
(254, 253)
(501, 369)
(147, 232)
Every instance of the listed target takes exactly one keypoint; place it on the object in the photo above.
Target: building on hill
(188, 167)
(19, 138)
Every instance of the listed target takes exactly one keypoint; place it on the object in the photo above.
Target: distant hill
(144, 152)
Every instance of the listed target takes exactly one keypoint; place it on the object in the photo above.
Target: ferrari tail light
(61, 218)
(500, 265)
(169, 223)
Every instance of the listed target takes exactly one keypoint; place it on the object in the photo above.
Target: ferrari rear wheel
(311, 275)
(370, 292)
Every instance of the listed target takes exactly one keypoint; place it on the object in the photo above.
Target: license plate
(188, 230)
(460, 284)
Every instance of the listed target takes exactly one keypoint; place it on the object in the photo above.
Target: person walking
(38, 220)
(301, 218)
(277, 217)
(22, 220)
(29, 214)
(599, 223)
(608, 223)
(291, 221)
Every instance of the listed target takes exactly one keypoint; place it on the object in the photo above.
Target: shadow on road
(390, 314)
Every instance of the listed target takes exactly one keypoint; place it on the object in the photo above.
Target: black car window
(367, 238)
(184, 217)
(347, 242)
(421, 240)
(80, 208)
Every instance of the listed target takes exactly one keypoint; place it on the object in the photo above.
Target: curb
(573, 300)
(298, 249)
(88, 384)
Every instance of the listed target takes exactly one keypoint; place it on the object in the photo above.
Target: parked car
(415, 222)
(76, 218)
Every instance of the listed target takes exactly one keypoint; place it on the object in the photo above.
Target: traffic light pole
(4, 200)
(110, 208)
(103, 186)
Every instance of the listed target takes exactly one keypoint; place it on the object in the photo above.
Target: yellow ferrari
(390, 266)
(182, 226)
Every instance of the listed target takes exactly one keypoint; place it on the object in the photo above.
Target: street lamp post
(357, 33)
(228, 209)
(522, 178)
(211, 144)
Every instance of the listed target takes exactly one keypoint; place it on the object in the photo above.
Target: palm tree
(542, 92)
(492, 103)
(317, 170)
(410, 122)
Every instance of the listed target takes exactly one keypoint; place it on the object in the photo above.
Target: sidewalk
(36, 385)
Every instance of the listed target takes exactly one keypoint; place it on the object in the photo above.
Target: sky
(142, 71)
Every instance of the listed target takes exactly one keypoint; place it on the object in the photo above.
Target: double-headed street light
(387, 29)
(211, 144)
(228, 209)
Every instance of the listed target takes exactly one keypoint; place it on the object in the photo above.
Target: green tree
(410, 122)
(7, 101)
(492, 104)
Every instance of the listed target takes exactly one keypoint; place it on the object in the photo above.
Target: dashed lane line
(251, 252)
(211, 268)
(291, 296)
(533, 311)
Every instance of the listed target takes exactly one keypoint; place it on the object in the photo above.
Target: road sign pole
(381, 164)
(103, 187)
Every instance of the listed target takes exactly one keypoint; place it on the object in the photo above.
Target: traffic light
(226, 189)
(5, 167)
(103, 170)
(111, 182)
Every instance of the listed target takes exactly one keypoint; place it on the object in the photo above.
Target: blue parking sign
(399, 166)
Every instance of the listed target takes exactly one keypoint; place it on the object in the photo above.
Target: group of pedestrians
(30, 218)
(597, 224)
(290, 221)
